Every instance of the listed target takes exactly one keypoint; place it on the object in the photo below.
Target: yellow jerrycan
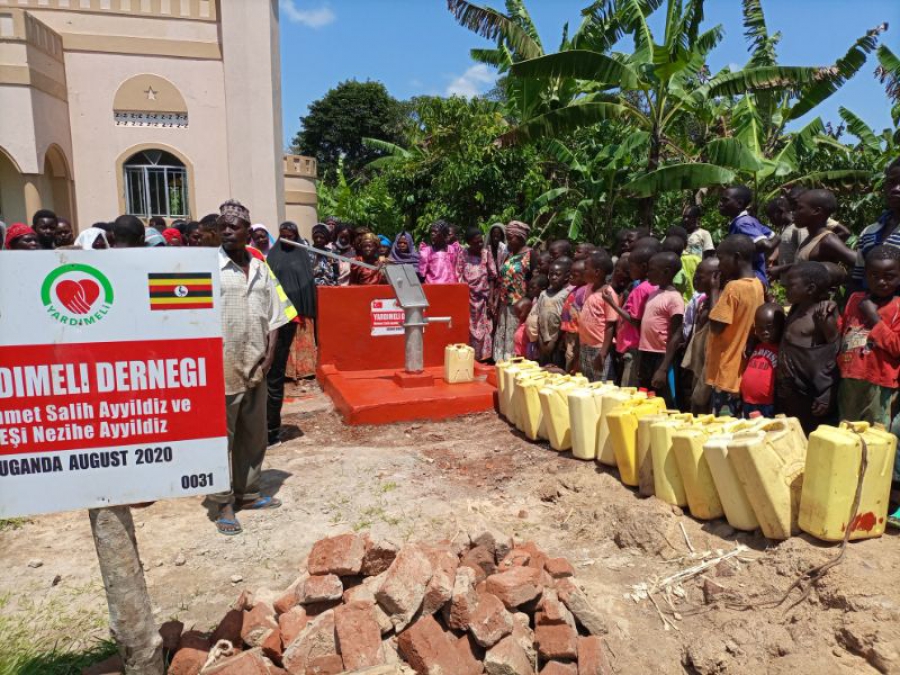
(667, 481)
(500, 368)
(584, 417)
(769, 462)
(643, 456)
(732, 496)
(554, 399)
(699, 488)
(623, 428)
(459, 363)
(527, 403)
(605, 451)
(833, 462)
(508, 379)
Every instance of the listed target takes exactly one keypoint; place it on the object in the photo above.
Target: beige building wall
(252, 63)
(300, 192)
(67, 67)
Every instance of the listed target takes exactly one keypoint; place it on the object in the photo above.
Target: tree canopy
(337, 123)
(623, 126)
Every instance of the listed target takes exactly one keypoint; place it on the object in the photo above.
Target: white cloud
(313, 18)
(474, 81)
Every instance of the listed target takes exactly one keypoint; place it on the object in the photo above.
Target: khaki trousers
(245, 416)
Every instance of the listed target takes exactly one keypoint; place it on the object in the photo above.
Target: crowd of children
(829, 351)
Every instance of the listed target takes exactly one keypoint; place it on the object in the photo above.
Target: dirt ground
(428, 481)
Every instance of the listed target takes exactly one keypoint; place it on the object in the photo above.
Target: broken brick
(428, 648)
(553, 610)
(578, 603)
(592, 658)
(246, 663)
(320, 589)
(378, 557)
(507, 658)
(359, 593)
(272, 646)
(490, 622)
(556, 641)
(559, 668)
(403, 588)
(440, 587)
(358, 636)
(289, 598)
(515, 586)
(315, 641)
(193, 650)
(517, 557)
(341, 555)
(170, 632)
(291, 623)
(559, 567)
(470, 656)
(481, 560)
(258, 623)
(326, 665)
(463, 600)
(229, 628)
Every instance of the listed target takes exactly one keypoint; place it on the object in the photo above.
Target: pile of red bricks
(486, 606)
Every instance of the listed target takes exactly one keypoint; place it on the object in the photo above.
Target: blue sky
(416, 47)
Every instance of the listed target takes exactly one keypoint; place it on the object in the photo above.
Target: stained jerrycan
(832, 474)
(769, 462)
(554, 399)
(623, 428)
(643, 456)
(667, 482)
(508, 375)
(526, 401)
(584, 417)
(732, 496)
(502, 401)
(459, 363)
(689, 447)
(609, 401)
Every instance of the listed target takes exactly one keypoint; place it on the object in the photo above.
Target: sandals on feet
(264, 502)
(228, 526)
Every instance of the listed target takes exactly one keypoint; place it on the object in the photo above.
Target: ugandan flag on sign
(182, 290)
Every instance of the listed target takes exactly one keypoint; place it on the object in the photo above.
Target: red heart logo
(78, 296)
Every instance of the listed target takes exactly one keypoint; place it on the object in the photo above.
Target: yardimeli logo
(77, 295)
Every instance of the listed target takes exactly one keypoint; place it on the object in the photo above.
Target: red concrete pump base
(386, 396)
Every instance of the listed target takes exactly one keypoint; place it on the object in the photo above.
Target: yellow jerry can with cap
(643, 456)
(554, 397)
(459, 363)
(610, 401)
(833, 462)
(500, 368)
(508, 380)
(667, 481)
(738, 511)
(584, 417)
(623, 429)
(769, 462)
(699, 488)
(527, 403)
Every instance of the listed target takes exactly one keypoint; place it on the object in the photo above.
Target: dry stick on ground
(815, 574)
(130, 612)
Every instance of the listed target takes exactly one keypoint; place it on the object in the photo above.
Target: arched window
(156, 184)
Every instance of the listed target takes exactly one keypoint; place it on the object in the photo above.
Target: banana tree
(768, 97)
(517, 40)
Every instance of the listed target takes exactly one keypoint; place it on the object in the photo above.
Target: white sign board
(387, 317)
(111, 381)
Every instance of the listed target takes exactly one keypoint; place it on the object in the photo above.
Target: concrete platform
(377, 397)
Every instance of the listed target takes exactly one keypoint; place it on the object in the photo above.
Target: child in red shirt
(869, 358)
(570, 311)
(520, 341)
(758, 380)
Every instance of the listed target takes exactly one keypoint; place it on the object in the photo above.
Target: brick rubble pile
(487, 606)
